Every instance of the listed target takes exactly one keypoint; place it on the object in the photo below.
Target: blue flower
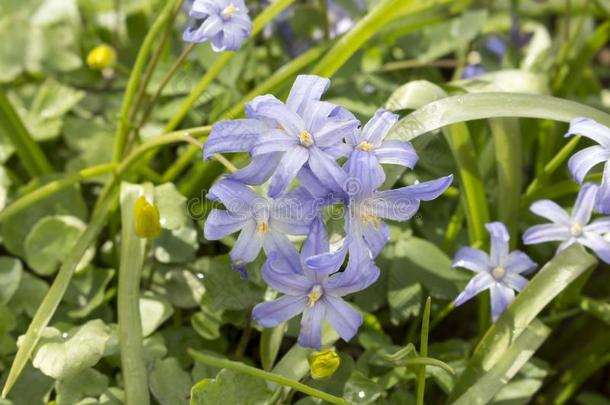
(570, 229)
(472, 71)
(583, 161)
(316, 293)
(262, 222)
(499, 272)
(225, 23)
(284, 138)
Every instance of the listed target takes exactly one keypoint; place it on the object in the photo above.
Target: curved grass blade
(552, 279)
(505, 368)
(476, 106)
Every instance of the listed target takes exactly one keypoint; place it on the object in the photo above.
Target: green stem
(29, 152)
(507, 145)
(257, 25)
(265, 375)
(135, 78)
(423, 352)
(53, 187)
(133, 363)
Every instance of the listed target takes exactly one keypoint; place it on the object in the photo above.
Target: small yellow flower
(324, 363)
(101, 57)
(147, 219)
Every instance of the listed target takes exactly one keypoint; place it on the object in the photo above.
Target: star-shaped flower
(500, 272)
(575, 228)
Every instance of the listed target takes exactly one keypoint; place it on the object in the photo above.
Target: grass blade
(423, 352)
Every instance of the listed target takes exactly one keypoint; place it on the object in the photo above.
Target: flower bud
(324, 363)
(147, 219)
(101, 57)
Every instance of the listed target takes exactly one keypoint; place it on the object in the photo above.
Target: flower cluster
(224, 23)
(501, 272)
(302, 142)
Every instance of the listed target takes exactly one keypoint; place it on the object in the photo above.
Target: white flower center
(576, 230)
(305, 138)
(314, 295)
(230, 10)
(498, 273)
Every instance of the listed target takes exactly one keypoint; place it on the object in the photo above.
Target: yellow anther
(369, 218)
(365, 146)
(230, 10)
(101, 57)
(576, 230)
(314, 295)
(262, 228)
(499, 272)
(324, 363)
(147, 218)
(305, 138)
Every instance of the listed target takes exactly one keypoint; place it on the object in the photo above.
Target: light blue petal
(546, 233)
(317, 189)
(602, 199)
(518, 262)
(480, 282)
(316, 115)
(236, 197)
(259, 170)
(590, 129)
(275, 110)
(378, 127)
(501, 297)
(514, 281)
(271, 314)
(597, 244)
(232, 136)
(331, 132)
(205, 7)
(274, 140)
(326, 170)
(551, 211)
(287, 282)
(499, 243)
(583, 161)
(317, 239)
(283, 256)
(220, 224)
(397, 152)
(600, 226)
(287, 170)
(365, 174)
(306, 88)
(248, 244)
(583, 207)
(311, 326)
(472, 259)
(359, 275)
(342, 316)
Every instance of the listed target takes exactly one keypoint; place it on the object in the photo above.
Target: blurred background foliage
(191, 297)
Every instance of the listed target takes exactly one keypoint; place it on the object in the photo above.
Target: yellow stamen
(230, 10)
(576, 230)
(262, 228)
(369, 218)
(314, 295)
(365, 146)
(499, 272)
(305, 138)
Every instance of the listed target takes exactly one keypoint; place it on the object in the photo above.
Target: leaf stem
(265, 375)
(423, 352)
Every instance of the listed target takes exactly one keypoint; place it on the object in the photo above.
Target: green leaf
(178, 245)
(154, 310)
(29, 295)
(230, 387)
(87, 383)
(414, 95)
(183, 289)
(553, 278)
(169, 383)
(271, 339)
(88, 290)
(172, 206)
(361, 390)
(597, 308)
(51, 239)
(62, 355)
(506, 366)
(207, 324)
(11, 272)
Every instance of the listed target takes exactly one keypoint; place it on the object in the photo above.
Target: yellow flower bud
(324, 363)
(147, 219)
(101, 57)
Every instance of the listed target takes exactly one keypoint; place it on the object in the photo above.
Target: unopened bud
(324, 363)
(147, 219)
(101, 57)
